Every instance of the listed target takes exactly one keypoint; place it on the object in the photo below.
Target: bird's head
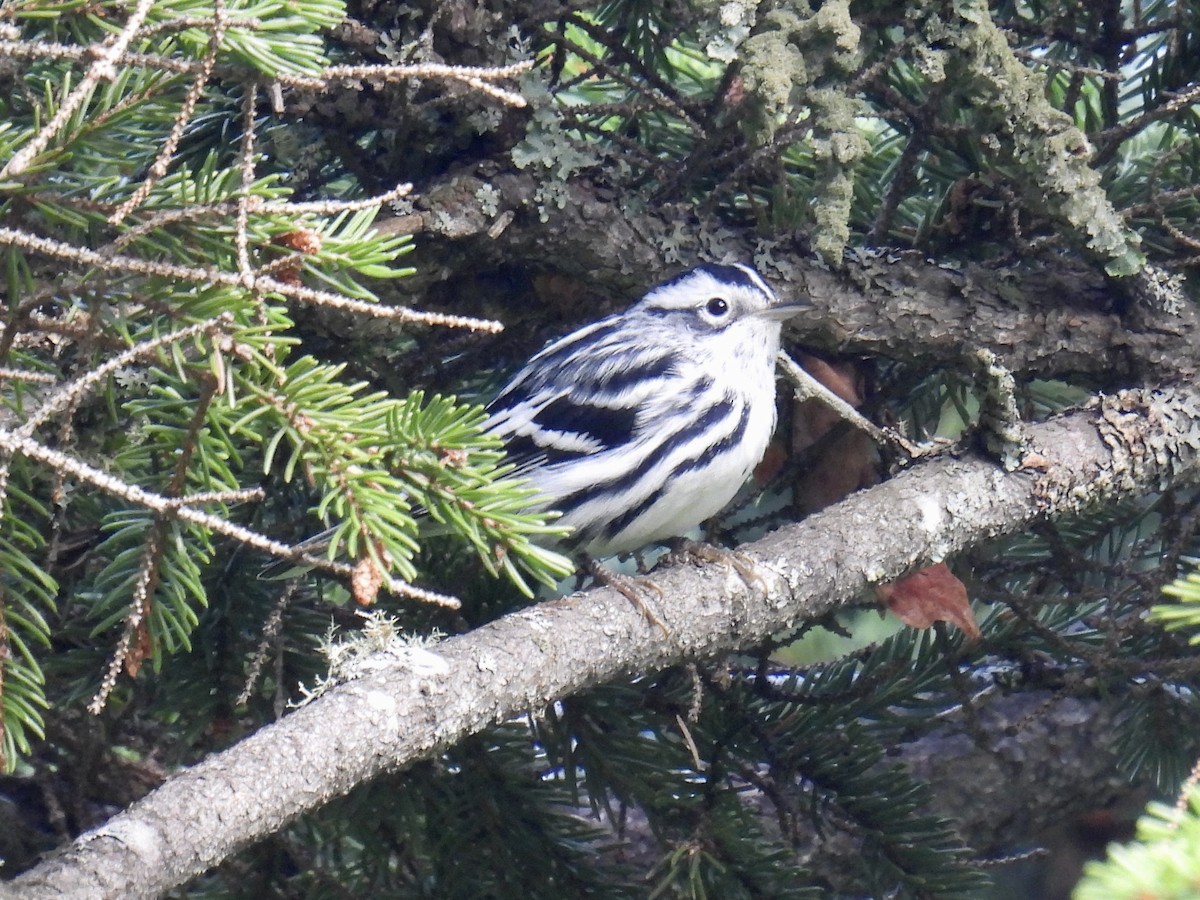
(721, 306)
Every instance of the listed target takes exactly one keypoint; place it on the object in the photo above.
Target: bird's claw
(632, 588)
(745, 566)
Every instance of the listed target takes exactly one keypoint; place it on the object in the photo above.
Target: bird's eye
(717, 306)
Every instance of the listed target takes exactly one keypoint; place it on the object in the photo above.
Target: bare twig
(246, 196)
(162, 159)
(104, 67)
(478, 77)
(808, 388)
(270, 634)
(116, 263)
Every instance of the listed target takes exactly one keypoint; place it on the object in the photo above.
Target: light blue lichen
(549, 148)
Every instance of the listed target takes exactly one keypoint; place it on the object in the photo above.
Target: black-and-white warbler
(644, 424)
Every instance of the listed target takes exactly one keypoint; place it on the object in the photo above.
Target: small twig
(7, 374)
(270, 633)
(67, 396)
(808, 388)
(162, 159)
(262, 207)
(479, 77)
(245, 197)
(70, 393)
(103, 67)
(85, 257)
(139, 606)
(1185, 794)
(148, 571)
(1050, 62)
(243, 495)
(13, 443)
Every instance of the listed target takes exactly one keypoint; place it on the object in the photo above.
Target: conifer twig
(117, 263)
(103, 67)
(13, 443)
(162, 159)
(479, 77)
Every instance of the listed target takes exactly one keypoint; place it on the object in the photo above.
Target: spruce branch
(70, 394)
(1120, 447)
(105, 61)
(262, 206)
(13, 443)
(135, 628)
(253, 283)
(162, 158)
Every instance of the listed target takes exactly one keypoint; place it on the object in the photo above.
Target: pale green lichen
(838, 146)
(1051, 152)
(1161, 290)
(799, 57)
(773, 68)
(547, 146)
(726, 31)
(377, 645)
(489, 200)
(1004, 432)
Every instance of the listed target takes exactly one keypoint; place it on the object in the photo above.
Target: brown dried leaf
(139, 649)
(843, 378)
(848, 462)
(932, 594)
(771, 464)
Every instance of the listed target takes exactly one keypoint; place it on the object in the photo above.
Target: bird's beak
(781, 311)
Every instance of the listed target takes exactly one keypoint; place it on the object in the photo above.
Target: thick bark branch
(420, 701)
(1048, 317)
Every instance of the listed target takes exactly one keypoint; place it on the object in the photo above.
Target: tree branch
(1048, 317)
(420, 700)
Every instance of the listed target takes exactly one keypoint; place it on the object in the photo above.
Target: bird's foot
(634, 589)
(702, 552)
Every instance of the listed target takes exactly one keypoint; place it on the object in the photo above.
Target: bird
(641, 425)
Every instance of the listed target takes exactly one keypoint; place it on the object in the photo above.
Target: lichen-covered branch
(418, 700)
(1053, 154)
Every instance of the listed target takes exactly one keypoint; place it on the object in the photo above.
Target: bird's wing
(583, 395)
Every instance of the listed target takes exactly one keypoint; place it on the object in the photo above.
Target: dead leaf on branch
(848, 461)
(932, 594)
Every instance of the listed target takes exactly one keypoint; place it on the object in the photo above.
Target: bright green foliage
(1163, 864)
(232, 406)
(1184, 614)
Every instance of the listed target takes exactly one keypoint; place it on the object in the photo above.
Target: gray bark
(418, 701)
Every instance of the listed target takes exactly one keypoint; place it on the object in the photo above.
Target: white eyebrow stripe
(756, 278)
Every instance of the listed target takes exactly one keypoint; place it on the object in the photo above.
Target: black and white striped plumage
(642, 425)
